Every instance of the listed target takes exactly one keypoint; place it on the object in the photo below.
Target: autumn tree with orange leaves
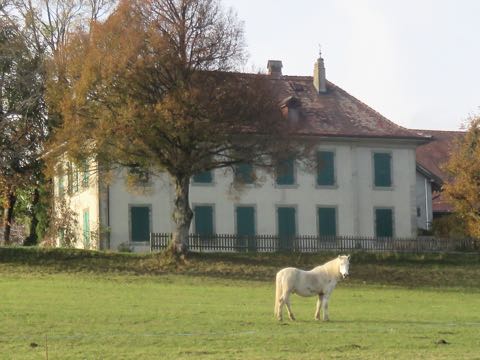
(463, 167)
(154, 88)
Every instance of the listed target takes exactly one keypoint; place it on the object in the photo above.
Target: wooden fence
(315, 244)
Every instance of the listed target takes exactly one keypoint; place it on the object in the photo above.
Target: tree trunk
(32, 236)
(9, 204)
(182, 215)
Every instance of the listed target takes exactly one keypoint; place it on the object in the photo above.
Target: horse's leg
(324, 300)
(278, 298)
(286, 300)
(279, 306)
(319, 304)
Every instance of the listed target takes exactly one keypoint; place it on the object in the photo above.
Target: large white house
(365, 186)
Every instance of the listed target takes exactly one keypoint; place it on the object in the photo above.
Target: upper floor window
(61, 185)
(85, 174)
(382, 163)
(244, 173)
(285, 172)
(325, 168)
(205, 177)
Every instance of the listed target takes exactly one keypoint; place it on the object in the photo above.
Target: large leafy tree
(22, 117)
(32, 31)
(463, 188)
(153, 88)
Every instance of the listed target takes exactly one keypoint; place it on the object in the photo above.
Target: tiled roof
(433, 155)
(339, 114)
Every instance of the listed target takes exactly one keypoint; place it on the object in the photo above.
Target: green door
(140, 222)
(287, 228)
(86, 229)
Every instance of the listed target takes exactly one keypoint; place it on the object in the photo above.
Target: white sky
(416, 62)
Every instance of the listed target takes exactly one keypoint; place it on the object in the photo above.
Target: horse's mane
(331, 267)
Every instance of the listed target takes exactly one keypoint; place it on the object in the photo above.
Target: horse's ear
(348, 257)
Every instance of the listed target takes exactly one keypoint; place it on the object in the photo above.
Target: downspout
(108, 217)
(427, 212)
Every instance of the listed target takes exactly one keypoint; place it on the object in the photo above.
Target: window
(85, 175)
(70, 179)
(382, 169)
(244, 173)
(325, 168)
(286, 172)
(327, 221)
(138, 177)
(75, 185)
(203, 219)
(61, 186)
(204, 177)
(384, 222)
(86, 229)
(245, 217)
(287, 228)
(139, 223)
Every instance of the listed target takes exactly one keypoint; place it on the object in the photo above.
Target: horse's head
(344, 265)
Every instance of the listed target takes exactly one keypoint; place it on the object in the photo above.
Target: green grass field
(92, 312)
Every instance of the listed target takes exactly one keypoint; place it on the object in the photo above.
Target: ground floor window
(203, 220)
(286, 226)
(327, 221)
(140, 224)
(86, 228)
(245, 220)
(384, 222)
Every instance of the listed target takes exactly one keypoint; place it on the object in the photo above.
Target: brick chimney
(275, 68)
(319, 78)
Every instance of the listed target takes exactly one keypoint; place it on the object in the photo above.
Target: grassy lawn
(83, 313)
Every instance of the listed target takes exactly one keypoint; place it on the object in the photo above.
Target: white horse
(319, 281)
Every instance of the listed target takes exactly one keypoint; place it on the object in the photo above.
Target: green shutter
(203, 177)
(61, 185)
(384, 222)
(327, 222)
(245, 220)
(382, 165)
(325, 168)
(76, 177)
(244, 173)
(286, 227)
(140, 222)
(203, 216)
(86, 175)
(70, 179)
(86, 228)
(286, 172)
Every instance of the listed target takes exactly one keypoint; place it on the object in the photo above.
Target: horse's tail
(278, 292)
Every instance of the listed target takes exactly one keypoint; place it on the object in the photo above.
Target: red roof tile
(433, 155)
(337, 113)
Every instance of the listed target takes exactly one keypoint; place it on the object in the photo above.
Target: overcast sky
(415, 61)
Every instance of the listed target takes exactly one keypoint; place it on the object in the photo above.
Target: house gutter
(427, 212)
